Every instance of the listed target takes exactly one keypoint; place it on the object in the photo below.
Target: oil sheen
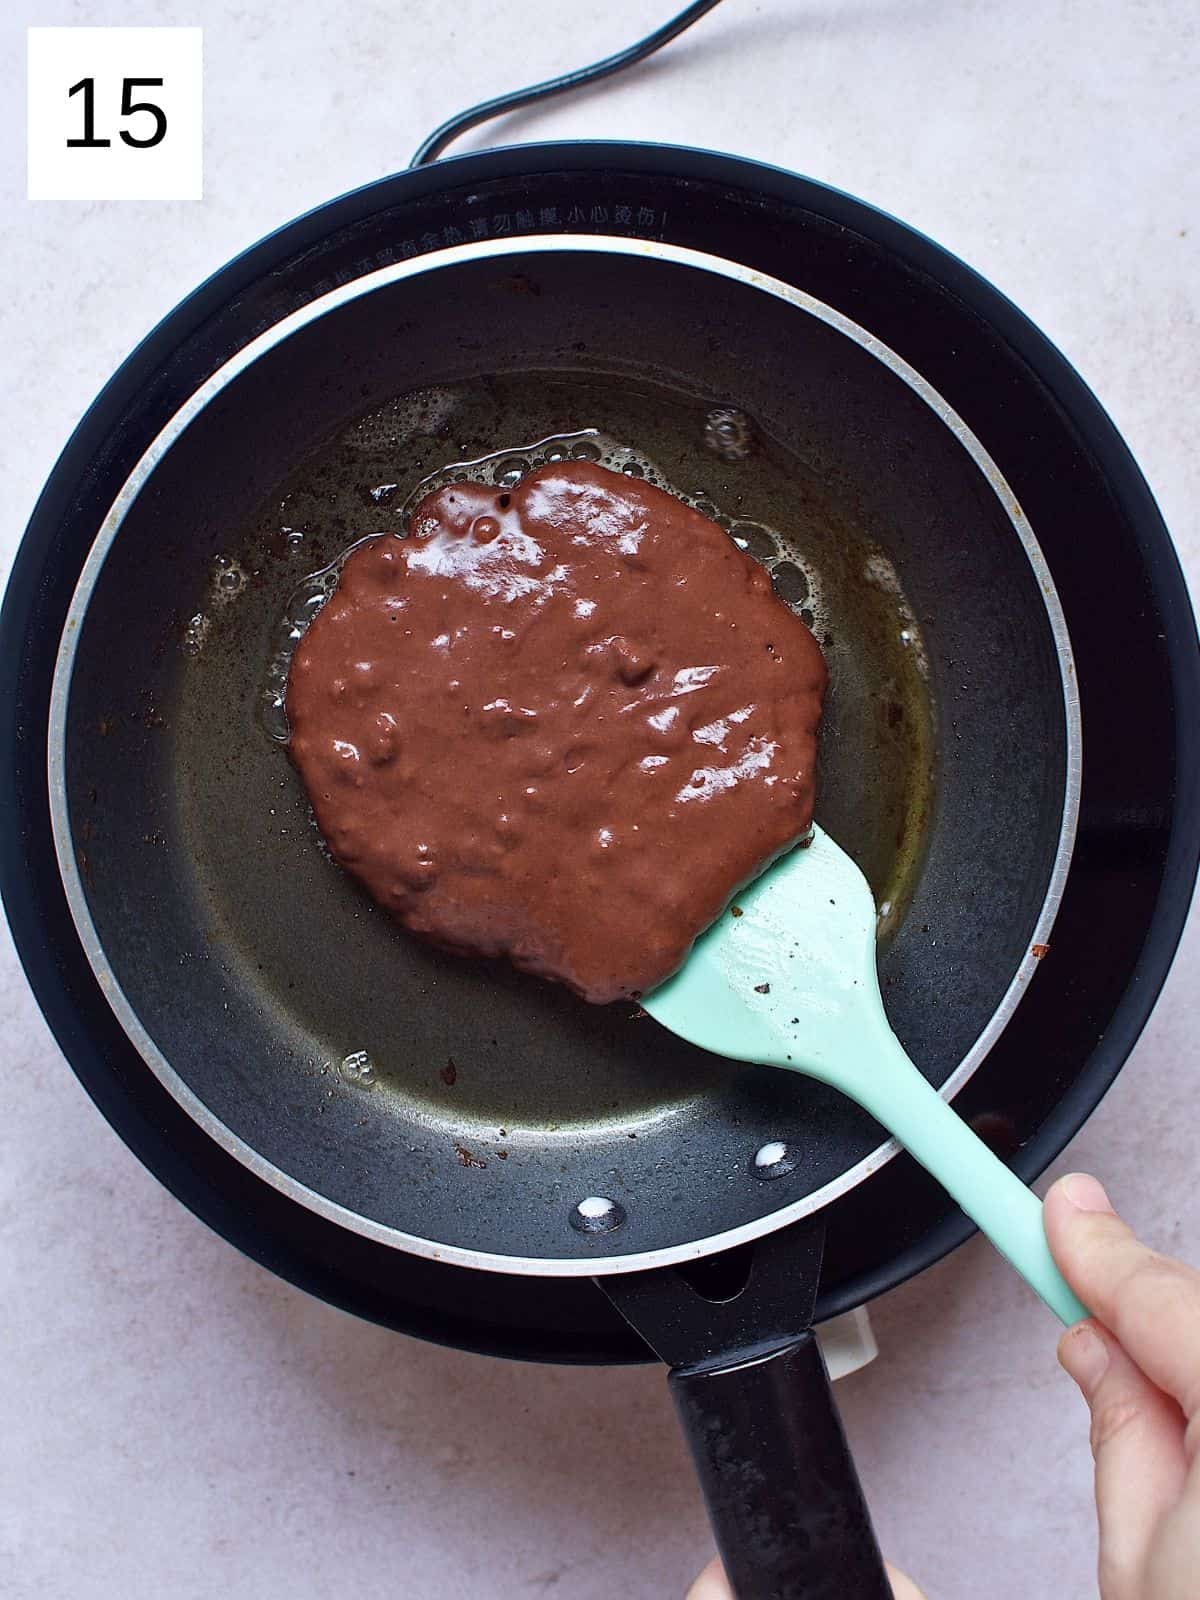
(874, 791)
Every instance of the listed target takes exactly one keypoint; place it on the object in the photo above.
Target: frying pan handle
(781, 1487)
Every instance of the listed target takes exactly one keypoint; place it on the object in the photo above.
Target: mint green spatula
(791, 982)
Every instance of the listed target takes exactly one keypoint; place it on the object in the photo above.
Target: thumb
(903, 1588)
(712, 1584)
(1153, 1308)
(1151, 1303)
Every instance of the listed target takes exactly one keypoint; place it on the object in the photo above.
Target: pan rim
(71, 877)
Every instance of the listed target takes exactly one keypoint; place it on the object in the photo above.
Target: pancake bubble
(305, 600)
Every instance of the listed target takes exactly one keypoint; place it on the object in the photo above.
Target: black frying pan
(246, 968)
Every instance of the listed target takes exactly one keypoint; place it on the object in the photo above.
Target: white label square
(115, 113)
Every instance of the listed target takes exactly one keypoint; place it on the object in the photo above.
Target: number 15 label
(115, 114)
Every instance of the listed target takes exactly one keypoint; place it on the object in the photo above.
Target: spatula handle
(1003, 1207)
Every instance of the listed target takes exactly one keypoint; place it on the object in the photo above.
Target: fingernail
(1084, 1354)
(1086, 1193)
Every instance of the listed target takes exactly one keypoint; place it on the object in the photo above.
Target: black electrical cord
(437, 141)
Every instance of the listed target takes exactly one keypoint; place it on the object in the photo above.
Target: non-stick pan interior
(493, 1103)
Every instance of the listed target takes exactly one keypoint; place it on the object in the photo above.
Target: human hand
(1137, 1363)
(712, 1584)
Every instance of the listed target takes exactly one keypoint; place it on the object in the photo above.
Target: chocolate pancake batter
(562, 723)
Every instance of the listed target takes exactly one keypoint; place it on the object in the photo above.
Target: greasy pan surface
(1133, 867)
(252, 964)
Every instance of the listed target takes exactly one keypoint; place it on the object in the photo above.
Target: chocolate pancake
(561, 723)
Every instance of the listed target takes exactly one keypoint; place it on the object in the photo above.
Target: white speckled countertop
(175, 1421)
